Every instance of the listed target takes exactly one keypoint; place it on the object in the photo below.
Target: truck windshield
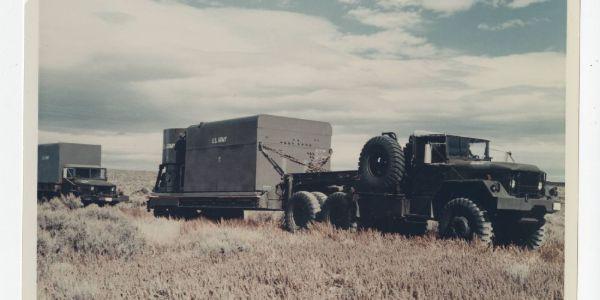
(87, 173)
(467, 148)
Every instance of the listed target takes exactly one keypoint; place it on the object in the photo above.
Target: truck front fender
(482, 192)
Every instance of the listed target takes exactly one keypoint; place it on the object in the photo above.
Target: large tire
(462, 218)
(529, 236)
(322, 199)
(381, 164)
(301, 210)
(533, 236)
(340, 210)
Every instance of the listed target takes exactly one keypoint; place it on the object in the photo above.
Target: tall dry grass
(124, 252)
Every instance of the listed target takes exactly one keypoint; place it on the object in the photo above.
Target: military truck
(439, 177)
(69, 168)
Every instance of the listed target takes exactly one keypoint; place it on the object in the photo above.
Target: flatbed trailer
(222, 168)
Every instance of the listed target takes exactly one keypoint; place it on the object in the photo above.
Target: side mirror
(427, 156)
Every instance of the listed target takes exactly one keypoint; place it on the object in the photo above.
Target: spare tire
(301, 210)
(381, 164)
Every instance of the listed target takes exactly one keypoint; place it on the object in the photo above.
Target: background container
(53, 157)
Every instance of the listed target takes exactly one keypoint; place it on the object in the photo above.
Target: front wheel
(464, 219)
(527, 235)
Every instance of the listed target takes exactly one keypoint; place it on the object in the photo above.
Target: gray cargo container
(224, 156)
(52, 158)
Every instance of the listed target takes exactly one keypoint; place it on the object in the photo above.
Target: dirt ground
(124, 252)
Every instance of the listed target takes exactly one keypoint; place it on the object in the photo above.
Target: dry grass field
(124, 252)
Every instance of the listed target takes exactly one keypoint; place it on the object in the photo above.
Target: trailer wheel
(301, 210)
(462, 218)
(340, 209)
(381, 164)
(322, 199)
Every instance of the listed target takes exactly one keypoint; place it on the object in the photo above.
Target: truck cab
(441, 165)
(68, 168)
(447, 170)
(90, 184)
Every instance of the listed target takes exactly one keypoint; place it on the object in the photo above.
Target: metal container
(53, 157)
(224, 156)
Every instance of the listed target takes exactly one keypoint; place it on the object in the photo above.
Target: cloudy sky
(118, 72)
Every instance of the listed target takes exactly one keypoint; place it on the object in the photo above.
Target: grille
(527, 184)
(98, 190)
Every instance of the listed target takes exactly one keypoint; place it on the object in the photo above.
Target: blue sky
(118, 72)
(543, 24)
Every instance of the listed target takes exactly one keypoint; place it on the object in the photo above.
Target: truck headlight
(91, 188)
(112, 189)
(513, 183)
(495, 187)
(540, 186)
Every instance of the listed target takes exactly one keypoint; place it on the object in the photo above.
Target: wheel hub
(459, 227)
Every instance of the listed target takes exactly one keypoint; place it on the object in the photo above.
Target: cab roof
(423, 133)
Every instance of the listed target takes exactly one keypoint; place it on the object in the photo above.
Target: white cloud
(349, 2)
(523, 3)
(445, 7)
(387, 20)
(513, 23)
(454, 6)
(181, 65)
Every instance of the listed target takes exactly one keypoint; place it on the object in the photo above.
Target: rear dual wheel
(340, 209)
(304, 208)
(301, 211)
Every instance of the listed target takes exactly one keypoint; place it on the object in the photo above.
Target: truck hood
(493, 165)
(94, 182)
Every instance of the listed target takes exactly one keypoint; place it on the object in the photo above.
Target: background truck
(446, 178)
(67, 168)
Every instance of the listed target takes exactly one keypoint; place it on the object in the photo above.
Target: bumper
(104, 199)
(547, 204)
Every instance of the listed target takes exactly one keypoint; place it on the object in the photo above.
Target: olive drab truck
(69, 168)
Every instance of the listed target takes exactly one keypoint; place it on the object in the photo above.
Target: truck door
(426, 176)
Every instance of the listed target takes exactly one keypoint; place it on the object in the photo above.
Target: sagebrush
(124, 252)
